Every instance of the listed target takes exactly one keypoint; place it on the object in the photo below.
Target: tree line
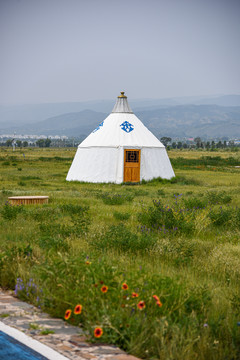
(197, 143)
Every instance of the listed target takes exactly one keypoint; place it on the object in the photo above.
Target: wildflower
(134, 295)
(104, 288)
(156, 297)
(159, 303)
(125, 286)
(87, 263)
(205, 325)
(123, 305)
(98, 332)
(141, 305)
(78, 309)
(95, 285)
(67, 314)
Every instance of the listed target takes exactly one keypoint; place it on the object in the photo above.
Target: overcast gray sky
(77, 50)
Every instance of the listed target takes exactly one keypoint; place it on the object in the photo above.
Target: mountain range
(210, 117)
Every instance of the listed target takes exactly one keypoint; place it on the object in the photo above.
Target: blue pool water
(11, 349)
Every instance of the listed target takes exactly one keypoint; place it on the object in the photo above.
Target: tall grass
(155, 266)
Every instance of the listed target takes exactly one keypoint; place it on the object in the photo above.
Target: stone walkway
(66, 339)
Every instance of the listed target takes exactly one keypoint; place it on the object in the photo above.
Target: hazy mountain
(194, 120)
(17, 115)
(175, 121)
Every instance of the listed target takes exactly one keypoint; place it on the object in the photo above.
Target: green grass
(175, 239)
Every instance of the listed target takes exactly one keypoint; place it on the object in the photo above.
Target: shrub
(119, 237)
(220, 216)
(194, 203)
(158, 216)
(10, 212)
(215, 197)
(121, 216)
(116, 199)
(72, 209)
(55, 243)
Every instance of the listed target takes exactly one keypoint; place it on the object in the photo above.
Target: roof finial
(122, 95)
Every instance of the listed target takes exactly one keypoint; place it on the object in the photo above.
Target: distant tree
(179, 145)
(19, 143)
(25, 144)
(165, 140)
(9, 142)
(174, 145)
(198, 141)
(48, 142)
(185, 146)
(40, 143)
(207, 145)
(219, 145)
(213, 144)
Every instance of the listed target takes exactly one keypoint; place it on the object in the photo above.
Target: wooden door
(132, 159)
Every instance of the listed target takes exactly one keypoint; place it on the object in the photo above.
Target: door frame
(133, 164)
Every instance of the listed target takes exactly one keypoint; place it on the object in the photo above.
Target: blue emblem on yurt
(97, 128)
(126, 126)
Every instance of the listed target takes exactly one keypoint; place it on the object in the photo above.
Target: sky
(80, 50)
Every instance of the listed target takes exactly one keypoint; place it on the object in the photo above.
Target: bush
(119, 237)
(121, 216)
(10, 212)
(221, 217)
(115, 199)
(170, 218)
(194, 203)
(215, 197)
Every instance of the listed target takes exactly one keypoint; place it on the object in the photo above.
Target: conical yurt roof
(121, 128)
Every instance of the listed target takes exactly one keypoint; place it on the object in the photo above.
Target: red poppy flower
(141, 305)
(78, 309)
(98, 332)
(104, 289)
(159, 303)
(67, 314)
(134, 295)
(124, 286)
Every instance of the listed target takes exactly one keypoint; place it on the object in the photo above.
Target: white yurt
(120, 149)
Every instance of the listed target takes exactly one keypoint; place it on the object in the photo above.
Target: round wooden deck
(27, 200)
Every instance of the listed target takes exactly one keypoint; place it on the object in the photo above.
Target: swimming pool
(15, 345)
(12, 349)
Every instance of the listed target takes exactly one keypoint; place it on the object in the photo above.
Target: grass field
(156, 266)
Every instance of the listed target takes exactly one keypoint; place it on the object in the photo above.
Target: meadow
(153, 268)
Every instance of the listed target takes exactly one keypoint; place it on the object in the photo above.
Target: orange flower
(134, 295)
(104, 289)
(78, 309)
(124, 286)
(67, 314)
(158, 302)
(98, 332)
(87, 263)
(141, 305)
